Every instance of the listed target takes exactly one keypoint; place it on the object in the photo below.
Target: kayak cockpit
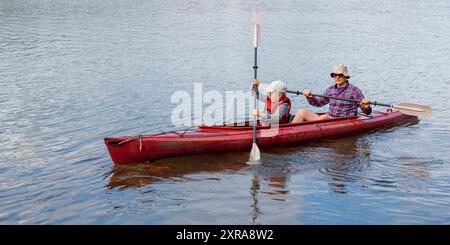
(248, 125)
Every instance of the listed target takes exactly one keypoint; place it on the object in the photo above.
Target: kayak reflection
(346, 160)
(124, 176)
(136, 175)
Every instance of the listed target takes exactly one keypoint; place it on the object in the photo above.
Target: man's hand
(255, 81)
(365, 103)
(307, 93)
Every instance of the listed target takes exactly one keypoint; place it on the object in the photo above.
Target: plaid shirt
(340, 108)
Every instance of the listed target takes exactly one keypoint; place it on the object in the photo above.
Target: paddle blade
(255, 155)
(256, 28)
(255, 34)
(420, 111)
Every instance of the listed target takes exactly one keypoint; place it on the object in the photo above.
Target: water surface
(73, 72)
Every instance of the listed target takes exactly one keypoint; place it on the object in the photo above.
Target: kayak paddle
(255, 154)
(421, 111)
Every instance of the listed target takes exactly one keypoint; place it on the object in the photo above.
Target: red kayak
(207, 139)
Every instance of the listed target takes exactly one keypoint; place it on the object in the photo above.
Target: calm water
(73, 72)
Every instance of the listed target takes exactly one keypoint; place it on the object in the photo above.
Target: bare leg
(324, 117)
(305, 115)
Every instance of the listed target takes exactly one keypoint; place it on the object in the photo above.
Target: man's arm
(316, 101)
(364, 105)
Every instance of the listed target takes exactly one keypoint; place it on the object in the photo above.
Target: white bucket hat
(340, 69)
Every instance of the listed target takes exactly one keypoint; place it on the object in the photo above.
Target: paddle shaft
(255, 154)
(344, 99)
(255, 90)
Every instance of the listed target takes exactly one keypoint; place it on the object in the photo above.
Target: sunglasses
(338, 75)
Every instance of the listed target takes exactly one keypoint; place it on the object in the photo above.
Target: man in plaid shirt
(338, 108)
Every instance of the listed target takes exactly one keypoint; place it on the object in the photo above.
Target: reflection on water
(163, 170)
(272, 176)
(275, 188)
(278, 183)
(254, 189)
(349, 156)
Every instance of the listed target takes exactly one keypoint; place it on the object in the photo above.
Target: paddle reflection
(270, 179)
(254, 189)
(277, 186)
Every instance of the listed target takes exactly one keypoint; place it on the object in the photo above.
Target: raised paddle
(255, 154)
(421, 111)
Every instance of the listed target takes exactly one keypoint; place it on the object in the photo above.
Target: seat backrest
(291, 117)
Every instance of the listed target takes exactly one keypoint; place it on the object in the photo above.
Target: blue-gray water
(73, 72)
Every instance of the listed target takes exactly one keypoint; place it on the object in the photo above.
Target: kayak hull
(207, 139)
